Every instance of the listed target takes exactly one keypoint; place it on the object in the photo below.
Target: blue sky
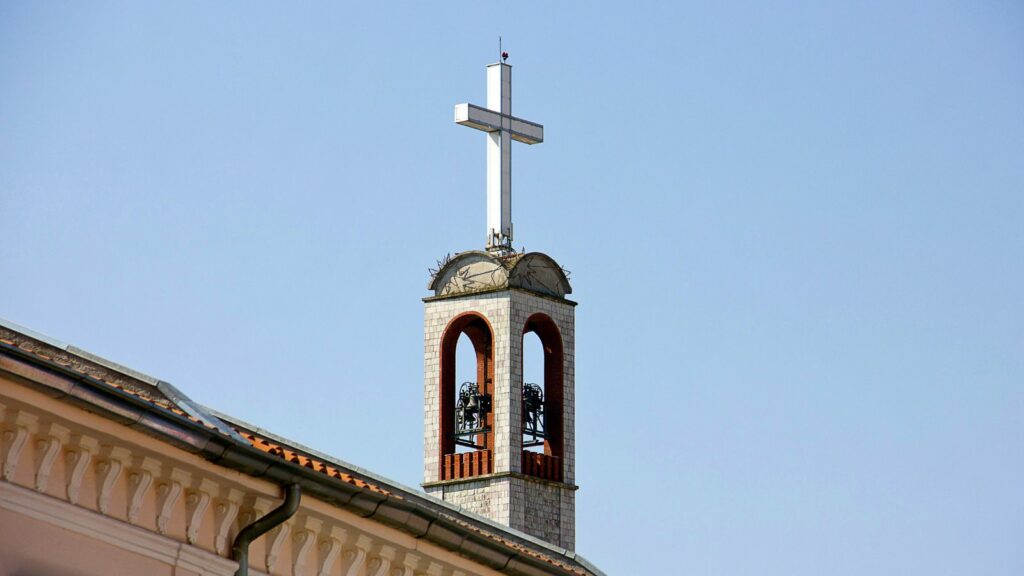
(796, 233)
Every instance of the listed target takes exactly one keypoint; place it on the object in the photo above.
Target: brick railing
(542, 466)
(466, 465)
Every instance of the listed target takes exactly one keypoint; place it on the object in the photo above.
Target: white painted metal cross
(501, 128)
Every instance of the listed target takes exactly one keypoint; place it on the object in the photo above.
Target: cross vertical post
(499, 158)
(501, 128)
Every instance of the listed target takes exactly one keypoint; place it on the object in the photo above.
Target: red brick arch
(475, 326)
(549, 465)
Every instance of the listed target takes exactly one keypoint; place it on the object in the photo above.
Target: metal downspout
(276, 517)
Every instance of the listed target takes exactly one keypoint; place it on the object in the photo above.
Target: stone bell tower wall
(524, 305)
(438, 314)
(539, 507)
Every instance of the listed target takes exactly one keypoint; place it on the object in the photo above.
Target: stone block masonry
(542, 508)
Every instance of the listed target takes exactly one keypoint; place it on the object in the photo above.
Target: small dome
(478, 271)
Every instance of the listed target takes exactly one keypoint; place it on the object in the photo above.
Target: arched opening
(533, 393)
(466, 389)
(465, 373)
(542, 403)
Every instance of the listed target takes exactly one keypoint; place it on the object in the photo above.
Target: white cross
(501, 128)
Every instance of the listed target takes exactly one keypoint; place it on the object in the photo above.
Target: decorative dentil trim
(379, 566)
(20, 425)
(196, 503)
(225, 514)
(50, 443)
(15, 441)
(107, 473)
(330, 549)
(139, 482)
(409, 564)
(78, 462)
(355, 557)
(277, 537)
(304, 540)
(306, 530)
(167, 497)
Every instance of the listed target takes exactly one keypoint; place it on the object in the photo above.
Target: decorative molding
(20, 425)
(48, 449)
(277, 536)
(140, 480)
(78, 462)
(304, 540)
(379, 566)
(199, 561)
(167, 496)
(107, 473)
(306, 530)
(409, 564)
(138, 484)
(168, 491)
(14, 440)
(330, 549)
(196, 502)
(356, 556)
(52, 438)
(225, 514)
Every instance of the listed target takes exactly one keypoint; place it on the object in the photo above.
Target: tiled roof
(286, 453)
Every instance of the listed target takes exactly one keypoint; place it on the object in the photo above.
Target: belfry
(494, 444)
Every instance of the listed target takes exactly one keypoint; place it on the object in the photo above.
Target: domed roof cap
(479, 271)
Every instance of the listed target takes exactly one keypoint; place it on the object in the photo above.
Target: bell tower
(494, 444)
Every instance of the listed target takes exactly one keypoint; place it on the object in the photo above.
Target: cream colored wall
(82, 494)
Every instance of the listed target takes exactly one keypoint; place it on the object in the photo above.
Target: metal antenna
(499, 48)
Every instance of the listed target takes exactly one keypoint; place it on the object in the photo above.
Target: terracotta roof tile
(275, 449)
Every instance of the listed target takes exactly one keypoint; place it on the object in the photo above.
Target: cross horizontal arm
(490, 121)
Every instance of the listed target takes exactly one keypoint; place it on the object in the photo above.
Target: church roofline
(159, 410)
